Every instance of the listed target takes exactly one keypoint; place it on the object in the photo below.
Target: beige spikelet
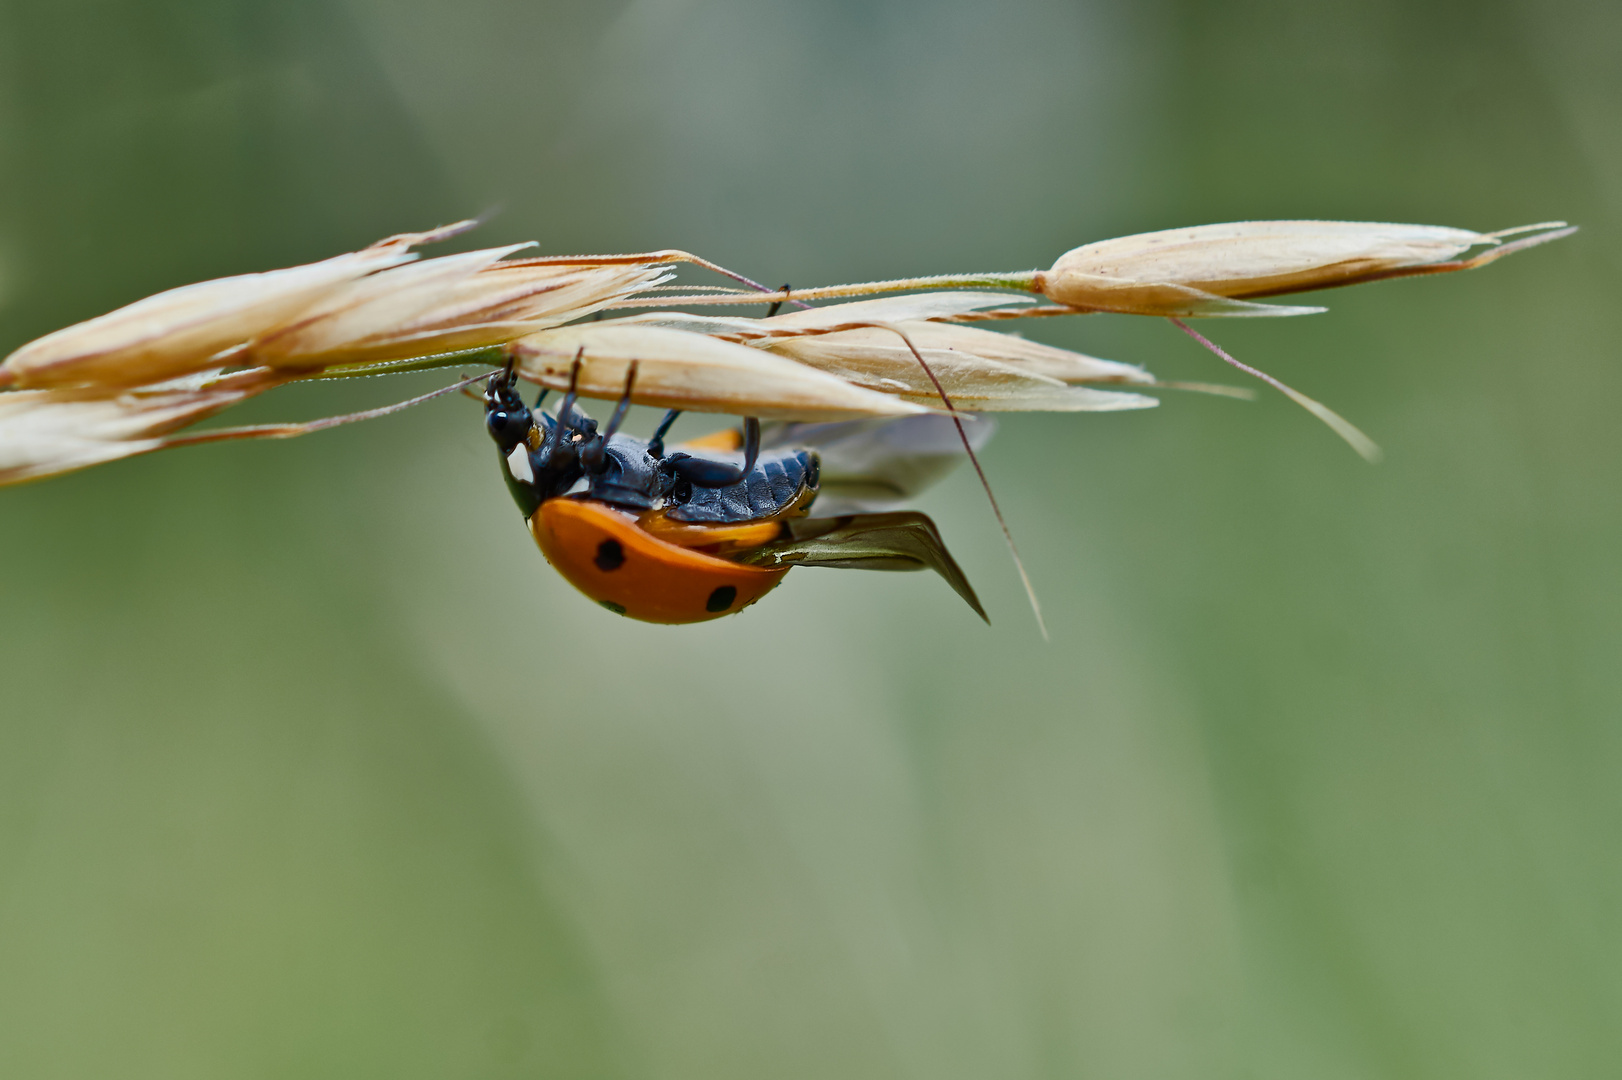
(48, 432)
(441, 305)
(184, 330)
(979, 370)
(681, 370)
(1217, 269)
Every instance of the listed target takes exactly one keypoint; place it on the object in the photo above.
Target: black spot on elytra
(610, 556)
(721, 598)
(617, 609)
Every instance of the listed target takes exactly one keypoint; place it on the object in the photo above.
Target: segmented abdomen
(778, 480)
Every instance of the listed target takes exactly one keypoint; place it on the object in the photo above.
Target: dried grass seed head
(862, 343)
(184, 330)
(681, 370)
(441, 305)
(1218, 269)
(980, 370)
(49, 432)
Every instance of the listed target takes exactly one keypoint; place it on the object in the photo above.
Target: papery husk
(882, 344)
(441, 305)
(879, 359)
(182, 331)
(728, 328)
(1220, 269)
(826, 319)
(678, 370)
(1029, 356)
(886, 309)
(50, 432)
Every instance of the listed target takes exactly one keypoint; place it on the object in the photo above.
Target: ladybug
(672, 537)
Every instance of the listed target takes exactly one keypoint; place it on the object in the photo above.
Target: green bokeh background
(310, 767)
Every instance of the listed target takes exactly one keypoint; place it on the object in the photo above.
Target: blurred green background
(310, 767)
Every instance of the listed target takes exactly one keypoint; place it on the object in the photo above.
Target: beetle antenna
(1337, 423)
(957, 420)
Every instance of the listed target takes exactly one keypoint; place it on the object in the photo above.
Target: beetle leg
(716, 474)
(592, 454)
(555, 438)
(777, 303)
(656, 445)
(751, 442)
(572, 396)
(624, 405)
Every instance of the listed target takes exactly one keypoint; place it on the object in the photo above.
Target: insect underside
(672, 537)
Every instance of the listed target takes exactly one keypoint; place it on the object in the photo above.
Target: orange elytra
(603, 553)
